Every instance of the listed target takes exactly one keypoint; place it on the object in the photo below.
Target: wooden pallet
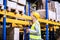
(14, 10)
(57, 21)
(52, 20)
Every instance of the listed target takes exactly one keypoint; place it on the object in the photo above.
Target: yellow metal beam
(49, 22)
(21, 31)
(14, 25)
(15, 21)
(16, 15)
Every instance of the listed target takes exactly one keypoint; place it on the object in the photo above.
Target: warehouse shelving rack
(4, 20)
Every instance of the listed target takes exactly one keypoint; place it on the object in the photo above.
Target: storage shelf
(16, 15)
(25, 17)
(49, 22)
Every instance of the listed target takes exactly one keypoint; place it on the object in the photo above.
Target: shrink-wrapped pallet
(1, 2)
(51, 14)
(57, 6)
(11, 4)
(20, 8)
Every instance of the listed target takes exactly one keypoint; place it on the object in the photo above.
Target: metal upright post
(29, 15)
(24, 33)
(29, 8)
(25, 28)
(25, 9)
(4, 20)
(47, 32)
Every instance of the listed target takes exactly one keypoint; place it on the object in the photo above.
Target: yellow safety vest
(32, 36)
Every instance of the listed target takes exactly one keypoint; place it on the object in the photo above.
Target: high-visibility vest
(33, 36)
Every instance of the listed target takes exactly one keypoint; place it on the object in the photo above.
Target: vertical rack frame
(4, 20)
(47, 32)
(29, 15)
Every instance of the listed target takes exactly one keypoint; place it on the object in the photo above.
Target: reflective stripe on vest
(35, 37)
(32, 36)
